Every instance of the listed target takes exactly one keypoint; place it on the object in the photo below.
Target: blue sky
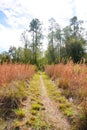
(3, 19)
(15, 16)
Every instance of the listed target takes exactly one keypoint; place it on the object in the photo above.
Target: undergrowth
(11, 72)
(11, 103)
(72, 80)
(36, 120)
(63, 104)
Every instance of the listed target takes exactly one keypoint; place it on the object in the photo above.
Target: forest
(62, 44)
(45, 89)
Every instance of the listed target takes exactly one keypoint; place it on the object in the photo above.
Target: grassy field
(71, 79)
(43, 100)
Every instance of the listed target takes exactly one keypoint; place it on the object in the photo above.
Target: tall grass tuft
(10, 72)
(72, 79)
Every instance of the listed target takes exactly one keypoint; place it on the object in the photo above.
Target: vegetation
(11, 72)
(63, 44)
(13, 92)
(37, 119)
(55, 94)
(71, 79)
(67, 57)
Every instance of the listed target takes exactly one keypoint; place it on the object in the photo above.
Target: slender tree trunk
(36, 44)
(33, 47)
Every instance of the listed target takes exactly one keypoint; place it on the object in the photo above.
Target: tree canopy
(63, 44)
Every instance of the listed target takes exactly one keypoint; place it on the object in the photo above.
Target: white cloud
(9, 37)
(81, 9)
(21, 12)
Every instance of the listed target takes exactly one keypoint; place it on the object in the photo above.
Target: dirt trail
(52, 113)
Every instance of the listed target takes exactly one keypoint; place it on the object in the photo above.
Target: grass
(55, 94)
(11, 104)
(36, 104)
(2, 124)
(12, 98)
(10, 72)
(16, 124)
(19, 113)
(71, 79)
(37, 119)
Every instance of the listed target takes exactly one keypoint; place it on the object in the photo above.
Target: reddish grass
(9, 72)
(74, 74)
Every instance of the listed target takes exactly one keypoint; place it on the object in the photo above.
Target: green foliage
(66, 43)
(66, 108)
(34, 112)
(16, 124)
(12, 97)
(36, 107)
(56, 95)
(63, 44)
(80, 121)
(54, 42)
(37, 119)
(19, 113)
(35, 29)
(74, 40)
(75, 50)
(2, 124)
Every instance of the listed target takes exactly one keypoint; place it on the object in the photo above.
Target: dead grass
(11, 72)
(72, 79)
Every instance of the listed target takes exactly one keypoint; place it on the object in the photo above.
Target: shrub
(11, 97)
(63, 83)
(10, 72)
(72, 78)
(81, 121)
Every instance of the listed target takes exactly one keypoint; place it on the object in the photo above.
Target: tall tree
(74, 40)
(27, 54)
(51, 40)
(58, 39)
(76, 26)
(35, 29)
(25, 39)
(54, 42)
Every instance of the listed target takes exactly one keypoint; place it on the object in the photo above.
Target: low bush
(72, 78)
(63, 83)
(11, 98)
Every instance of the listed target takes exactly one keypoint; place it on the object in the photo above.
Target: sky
(15, 16)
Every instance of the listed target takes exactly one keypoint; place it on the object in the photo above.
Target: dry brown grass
(72, 78)
(9, 72)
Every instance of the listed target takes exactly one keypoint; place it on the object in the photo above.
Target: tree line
(63, 44)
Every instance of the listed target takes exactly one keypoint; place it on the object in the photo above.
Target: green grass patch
(55, 94)
(35, 120)
(20, 113)
(16, 124)
(36, 106)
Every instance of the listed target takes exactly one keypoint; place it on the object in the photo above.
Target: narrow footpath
(51, 111)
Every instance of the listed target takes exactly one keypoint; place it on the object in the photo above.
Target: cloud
(81, 9)
(18, 14)
(21, 11)
(9, 37)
